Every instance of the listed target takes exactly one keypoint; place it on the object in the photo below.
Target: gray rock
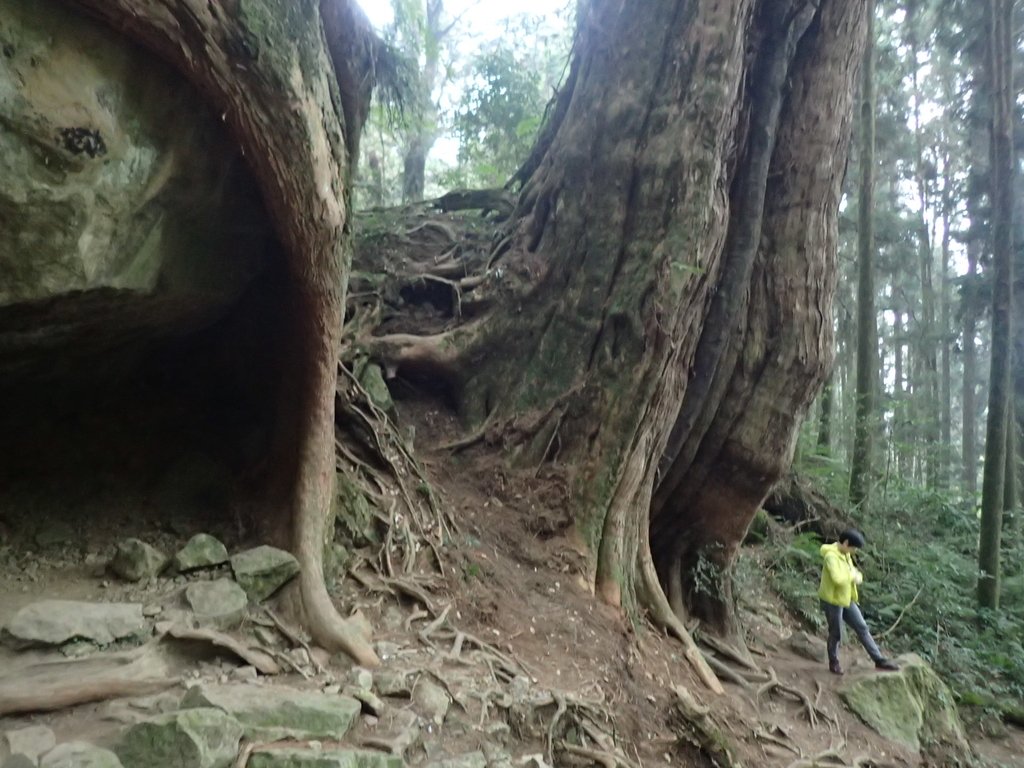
(19, 761)
(431, 699)
(219, 603)
(79, 754)
(278, 713)
(470, 760)
(372, 379)
(193, 738)
(360, 678)
(136, 560)
(393, 682)
(263, 570)
(31, 741)
(308, 757)
(811, 648)
(201, 551)
(53, 622)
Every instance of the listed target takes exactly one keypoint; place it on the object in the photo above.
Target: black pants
(835, 615)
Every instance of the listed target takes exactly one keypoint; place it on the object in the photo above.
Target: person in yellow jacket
(838, 592)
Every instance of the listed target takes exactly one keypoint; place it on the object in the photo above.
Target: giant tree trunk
(673, 267)
(265, 65)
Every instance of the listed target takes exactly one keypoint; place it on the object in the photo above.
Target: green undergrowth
(920, 569)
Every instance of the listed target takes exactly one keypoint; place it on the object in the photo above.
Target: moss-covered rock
(201, 551)
(263, 570)
(79, 754)
(912, 707)
(270, 713)
(220, 603)
(328, 758)
(191, 738)
(136, 560)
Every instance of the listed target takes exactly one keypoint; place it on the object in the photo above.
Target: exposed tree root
(810, 708)
(663, 615)
(696, 726)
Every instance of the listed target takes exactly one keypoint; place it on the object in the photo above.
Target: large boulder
(912, 707)
(194, 738)
(55, 622)
(126, 212)
(270, 713)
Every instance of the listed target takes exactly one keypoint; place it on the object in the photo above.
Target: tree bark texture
(674, 260)
(265, 66)
(1003, 118)
(867, 331)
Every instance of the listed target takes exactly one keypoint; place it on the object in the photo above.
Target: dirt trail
(515, 597)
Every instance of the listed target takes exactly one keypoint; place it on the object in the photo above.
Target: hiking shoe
(887, 664)
(834, 668)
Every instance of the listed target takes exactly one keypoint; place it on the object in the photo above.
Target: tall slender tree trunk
(969, 410)
(1001, 172)
(867, 331)
(946, 388)
(422, 134)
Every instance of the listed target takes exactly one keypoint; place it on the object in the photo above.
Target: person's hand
(858, 577)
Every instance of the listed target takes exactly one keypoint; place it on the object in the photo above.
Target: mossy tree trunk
(266, 66)
(673, 262)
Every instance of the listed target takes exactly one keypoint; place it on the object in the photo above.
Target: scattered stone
(310, 757)
(808, 646)
(471, 760)
(136, 560)
(431, 699)
(79, 754)
(263, 570)
(912, 706)
(31, 742)
(386, 650)
(54, 622)
(220, 603)
(201, 551)
(393, 682)
(371, 703)
(192, 738)
(360, 678)
(277, 712)
(152, 610)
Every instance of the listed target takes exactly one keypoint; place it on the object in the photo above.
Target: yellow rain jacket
(839, 577)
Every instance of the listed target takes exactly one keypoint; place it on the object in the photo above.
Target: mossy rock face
(78, 754)
(192, 738)
(271, 713)
(912, 707)
(128, 214)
